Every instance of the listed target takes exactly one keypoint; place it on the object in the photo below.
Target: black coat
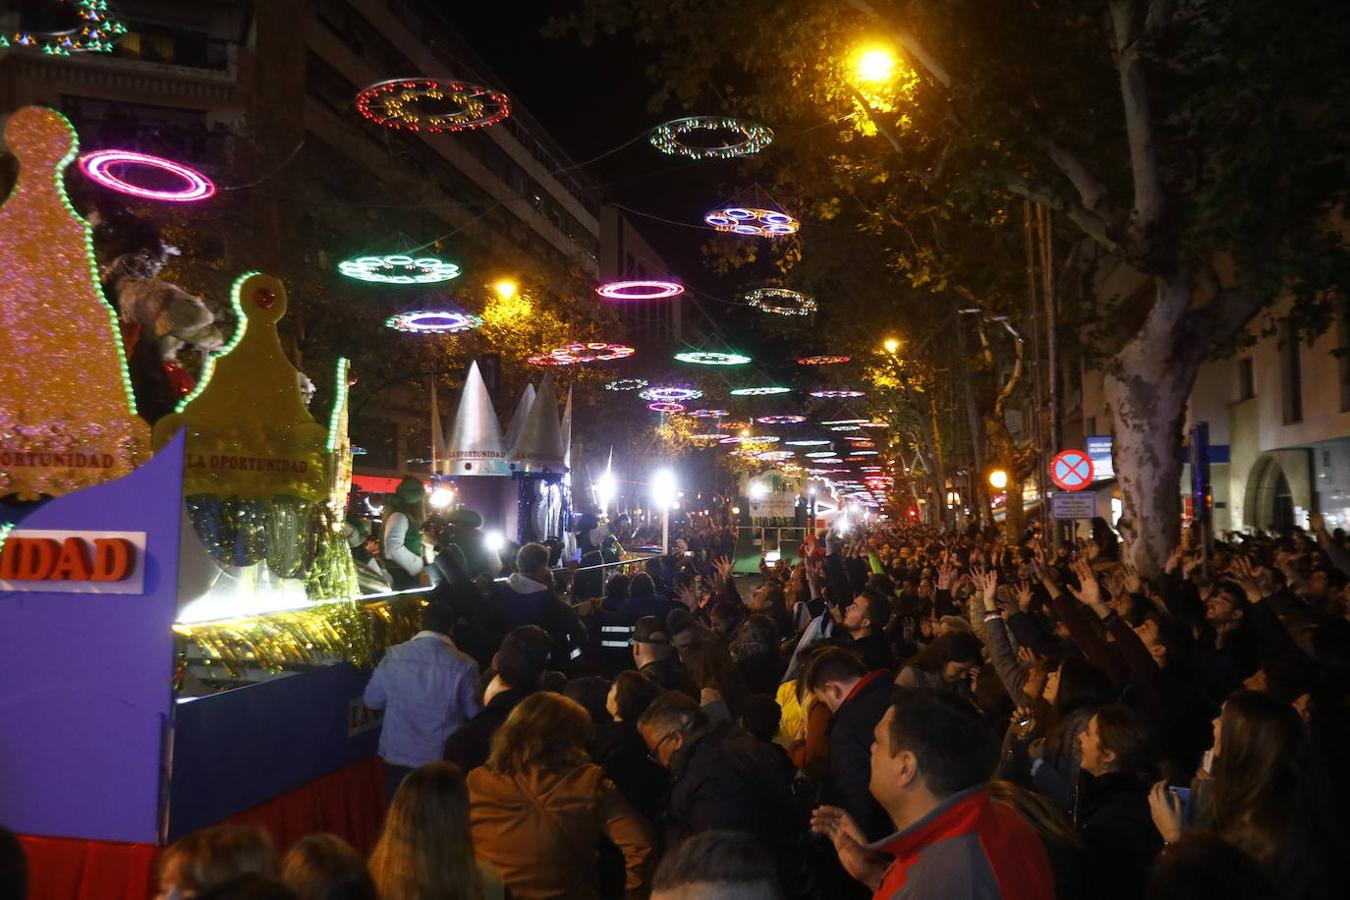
(1113, 817)
(850, 733)
(642, 781)
(725, 779)
(471, 743)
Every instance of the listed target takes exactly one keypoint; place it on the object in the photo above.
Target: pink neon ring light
(640, 290)
(96, 166)
(665, 406)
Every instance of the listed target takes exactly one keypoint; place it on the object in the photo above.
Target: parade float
(181, 640)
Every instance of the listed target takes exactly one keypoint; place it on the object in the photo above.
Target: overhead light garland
(780, 301)
(650, 289)
(750, 439)
(823, 360)
(709, 413)
(672, 394)
(706, 436)
(844, 422)
(774, 455)
(401, 104)
(94, 33)
(838, 395)
(666, 406)
(626, 384)
(712, 358)
(781, 420)
(875, 424)
(813, 442)
(433, 321)
(734, 425)
(398, 268)
(821, 454)
(575, 354)
(669, 137)
(99, 165)
(845, 427)
(752, 221)
(759, 391)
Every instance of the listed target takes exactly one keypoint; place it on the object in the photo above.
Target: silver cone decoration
(567, 430)
(540, 445)
(474, 445)
(517, 424)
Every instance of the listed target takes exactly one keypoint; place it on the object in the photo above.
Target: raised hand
(1242, 571)
(1173, 560)
(986, 581)
(1024, 596)
(946, 575)
(1089, 592)
(868, 866)
(687, 596)
(1133, 583)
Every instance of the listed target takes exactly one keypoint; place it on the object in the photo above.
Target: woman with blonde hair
(426, 851)
(540, 806)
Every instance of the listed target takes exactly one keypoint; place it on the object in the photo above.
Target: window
(1291, 373)
(1246, 383)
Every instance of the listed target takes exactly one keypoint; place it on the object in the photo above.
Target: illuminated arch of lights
(774, 455)
(669, 137)
(707, 436)
(823, 360)
(780, 301)
(709, 413)
(399, 268)
(666, 406)
(734, 425)
(99, 167)
(813, 442)
(875, 424)
(671, 394)
(844, 422)
(626, 384)
(573, 354)
(750, 439)
(838, 395)
(759, 391)
(651, 289)
(712, 358)
(752, 221)
(433, 321)
(402, 104)
(781, 420)
(845, 427)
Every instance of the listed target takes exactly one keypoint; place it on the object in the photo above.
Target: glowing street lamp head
(505, 288)
(891, 345)
(998, 479)
(875, 66)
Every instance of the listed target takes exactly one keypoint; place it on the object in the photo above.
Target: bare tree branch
(908, 40)
(1090, 188)
(1149, 201)
(1092, 224)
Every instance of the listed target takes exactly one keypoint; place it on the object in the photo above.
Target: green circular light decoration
(759, 391)
(398, 268)
(711, 358)
(747, 138)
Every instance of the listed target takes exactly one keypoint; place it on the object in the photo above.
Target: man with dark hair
(857, 700)
(721, 777)
(516, 669)
(655, 657)
(931, 759)
(527, 598)
(864, 626)
(428, 690)
(717, 865)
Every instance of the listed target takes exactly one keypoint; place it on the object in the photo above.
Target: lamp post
(664, 490)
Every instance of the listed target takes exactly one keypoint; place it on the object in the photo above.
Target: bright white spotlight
(758, 490)
(494, 541)
(664, 488)
(841, 527)
(441, 497)
(605, 489)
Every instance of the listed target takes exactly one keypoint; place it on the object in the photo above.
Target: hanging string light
(747, 138)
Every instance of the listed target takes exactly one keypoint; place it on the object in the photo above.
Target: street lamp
(875, 66)
(664, 489)
(891, 345)
(505, 288)
(998, 479)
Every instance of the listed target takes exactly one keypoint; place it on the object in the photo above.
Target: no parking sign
(1071, 470)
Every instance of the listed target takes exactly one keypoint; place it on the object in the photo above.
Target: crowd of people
(904, 713)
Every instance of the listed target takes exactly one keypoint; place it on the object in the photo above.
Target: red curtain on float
(349, 803)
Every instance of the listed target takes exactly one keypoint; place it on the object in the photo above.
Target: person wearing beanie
(403, 534)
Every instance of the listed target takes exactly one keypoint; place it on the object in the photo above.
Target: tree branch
(907, 39)
(1092, 224)
(1090, 188)
(1149, 200)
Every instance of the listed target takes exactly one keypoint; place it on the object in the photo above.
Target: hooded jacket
(542, 830)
